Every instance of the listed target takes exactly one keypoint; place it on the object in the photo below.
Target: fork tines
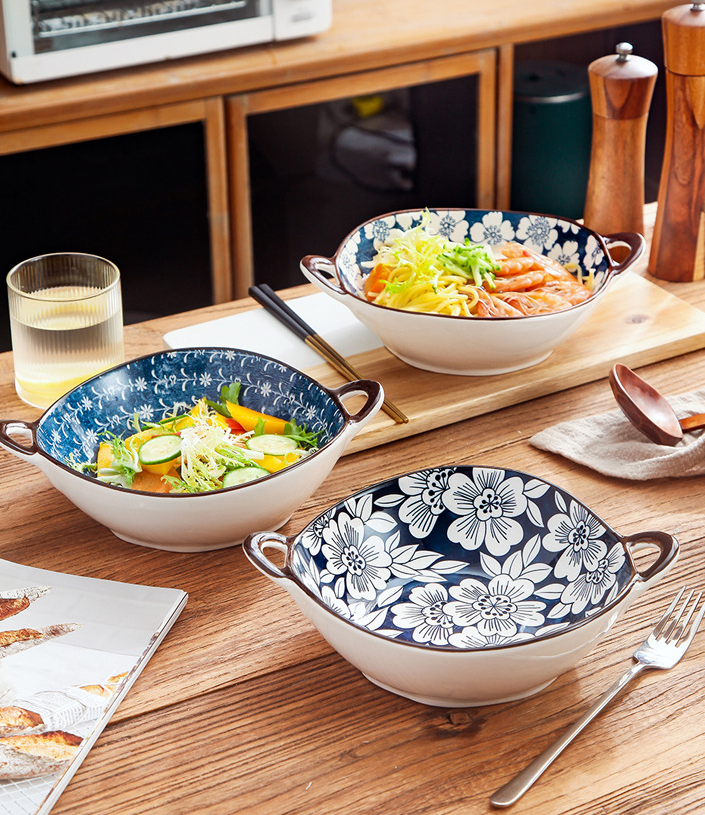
(676, 630)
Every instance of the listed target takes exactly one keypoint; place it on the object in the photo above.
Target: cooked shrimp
(568, 288)
(511, 250)
(489, 305)
(552, 267)
(530, 280)
(516, 266)
(536, 302)
(557, 279)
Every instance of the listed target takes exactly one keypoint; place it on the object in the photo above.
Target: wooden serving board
(637, 323)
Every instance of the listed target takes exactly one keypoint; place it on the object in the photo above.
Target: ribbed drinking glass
(66, 323)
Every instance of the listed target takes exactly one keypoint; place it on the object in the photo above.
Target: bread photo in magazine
(70, 649)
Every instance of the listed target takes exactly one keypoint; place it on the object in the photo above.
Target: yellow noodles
(426, 273)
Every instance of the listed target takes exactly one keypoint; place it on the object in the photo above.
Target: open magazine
(70, 649)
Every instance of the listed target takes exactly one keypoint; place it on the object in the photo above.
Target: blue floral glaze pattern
(561, 239)
(154, 386)
(462, 557)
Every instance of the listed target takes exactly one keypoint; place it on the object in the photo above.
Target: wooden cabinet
(373, 45)
(240, 107)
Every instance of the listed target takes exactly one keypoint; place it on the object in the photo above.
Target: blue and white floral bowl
(152, 386)
(472, 345)
(461, 586)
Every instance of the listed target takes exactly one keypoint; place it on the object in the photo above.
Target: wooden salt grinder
(678, 245)
(621, 88)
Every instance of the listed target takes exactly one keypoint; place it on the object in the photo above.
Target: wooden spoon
(647, 410)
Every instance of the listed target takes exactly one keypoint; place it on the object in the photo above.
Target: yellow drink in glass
(65, 333)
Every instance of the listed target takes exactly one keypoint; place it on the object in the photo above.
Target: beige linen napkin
(609, 444)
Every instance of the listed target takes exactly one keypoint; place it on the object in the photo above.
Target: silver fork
(663, 648)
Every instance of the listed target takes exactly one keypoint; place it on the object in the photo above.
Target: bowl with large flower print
(472, 345)
(462, 586)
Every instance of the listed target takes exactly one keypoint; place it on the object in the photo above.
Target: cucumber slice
(242, 475)
(160, 449)
(271, 444)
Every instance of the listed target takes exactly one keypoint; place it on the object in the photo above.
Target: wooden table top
(244, 708)
(365, 34)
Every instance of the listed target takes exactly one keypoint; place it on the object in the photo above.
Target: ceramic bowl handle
(668, 547)
(254, 546)
(634, 241)
(312, 267)
(25, 429)
(374, 394)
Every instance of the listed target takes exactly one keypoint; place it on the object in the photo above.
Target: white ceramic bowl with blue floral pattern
(472, 345)
(461, 586)
(152, 386)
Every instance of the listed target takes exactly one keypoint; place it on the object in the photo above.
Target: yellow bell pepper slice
(272, 464)
(136, 440)
(248, 418)
(182, 422)
(105, 456)
(198, 412)
(161, 469)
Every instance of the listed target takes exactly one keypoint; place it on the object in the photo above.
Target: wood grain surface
(245, 709)
(621, 88)
(636, 323)
(678, 249)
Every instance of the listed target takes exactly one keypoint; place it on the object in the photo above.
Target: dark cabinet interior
(344, 162)
(138, 200)
(316, 172)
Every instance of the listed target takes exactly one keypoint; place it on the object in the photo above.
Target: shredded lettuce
(209, 448)
(208, 451)
(124, 467)
(424, 257)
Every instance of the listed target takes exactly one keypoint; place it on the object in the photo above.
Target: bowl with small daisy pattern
(64, 442)
(461, 586)
(469, 291)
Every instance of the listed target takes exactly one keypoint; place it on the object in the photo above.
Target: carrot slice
(376, 281)
(152, 482)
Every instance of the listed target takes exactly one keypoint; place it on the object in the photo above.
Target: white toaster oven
(47, 39)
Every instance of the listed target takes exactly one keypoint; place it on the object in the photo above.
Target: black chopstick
(270, 300)
(275, 306)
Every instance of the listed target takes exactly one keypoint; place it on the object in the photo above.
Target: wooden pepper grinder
(621, 88)
(678, 246)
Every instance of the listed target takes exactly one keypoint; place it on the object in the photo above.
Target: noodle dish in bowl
(471, 292)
